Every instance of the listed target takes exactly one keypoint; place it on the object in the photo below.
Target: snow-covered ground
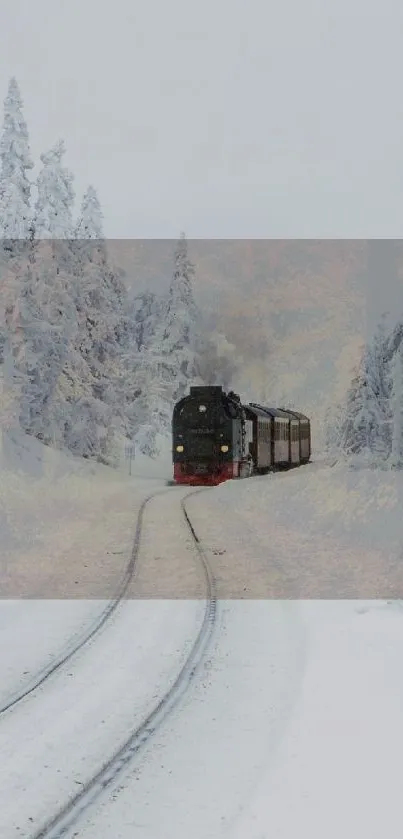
(317, 531)
(293, 724)
(67, 524)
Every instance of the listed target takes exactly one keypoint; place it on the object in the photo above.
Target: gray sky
(224, 118)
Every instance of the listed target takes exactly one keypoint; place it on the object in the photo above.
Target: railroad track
(92, 630)
(65, 820)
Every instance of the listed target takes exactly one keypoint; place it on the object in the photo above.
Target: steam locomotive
(216, 438)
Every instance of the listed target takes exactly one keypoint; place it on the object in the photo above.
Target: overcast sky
(221, 117)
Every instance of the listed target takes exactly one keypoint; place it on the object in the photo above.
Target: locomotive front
(207, 437)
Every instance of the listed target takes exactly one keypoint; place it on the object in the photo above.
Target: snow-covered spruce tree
(101, 296)
(396, 456)
(101, 301)
(170, 357)
(16, 161)
(146, 312)
(43, 322)
(356, 425)
(364, 430)
(379, 389)
(45, 317)
(180, 341)
(90, 222)
(15, 212)
(55, 196)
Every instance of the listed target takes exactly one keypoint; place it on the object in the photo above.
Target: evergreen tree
(355, 431)
(101, 302)
(16, 161)
(100, 298)
(365, 426)
(55, 198)
(379, 391)
(44, 324)
(90, 223)
(169, 346)
(15, 157)
(180, 342)
(396, 458)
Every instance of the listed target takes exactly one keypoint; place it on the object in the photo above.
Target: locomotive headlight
(179, 448)
(224, 448)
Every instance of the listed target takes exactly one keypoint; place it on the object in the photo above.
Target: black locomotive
(215, 437)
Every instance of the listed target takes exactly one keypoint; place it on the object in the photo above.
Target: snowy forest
(368, 429)
(83, 366)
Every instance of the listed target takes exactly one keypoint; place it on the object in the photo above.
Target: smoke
(219, 363)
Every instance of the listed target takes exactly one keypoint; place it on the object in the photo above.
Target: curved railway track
(61, 823)
(93, 629)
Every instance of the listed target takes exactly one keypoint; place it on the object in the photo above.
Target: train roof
(284, 413)
(296, 414)
(253, 409)
(262, 411)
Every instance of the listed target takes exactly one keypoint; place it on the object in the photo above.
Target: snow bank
(317, 531)
(66, 524)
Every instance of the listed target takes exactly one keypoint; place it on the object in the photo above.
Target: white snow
(60, 737)
(337, 770)
(294, 723)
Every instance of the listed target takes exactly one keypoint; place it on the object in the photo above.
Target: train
(216, 438)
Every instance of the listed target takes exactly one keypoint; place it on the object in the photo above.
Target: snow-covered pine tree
(379, 390)
(396, 456)
(364, 429)
(15, 193)
(55, 196)
(180, 341)
(169, 354)
(44, 319)
(43, 323)
(90, 222)
(16, 161)
(101, 301)
(99, 296)
(355, 432)
(146, 311)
